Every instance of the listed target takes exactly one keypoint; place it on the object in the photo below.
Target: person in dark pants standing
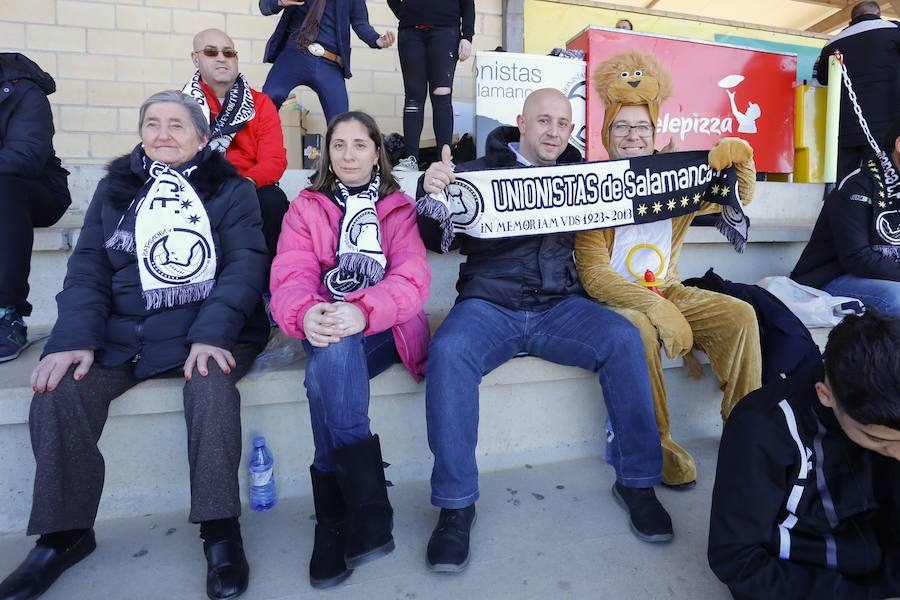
(871, 50)
(311, 47)
(33, 187)
(433, 34)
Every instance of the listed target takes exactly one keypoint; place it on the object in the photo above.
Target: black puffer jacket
(871, 49)
(101, 307)
(26, 126)
(522, 273)
(842, 240)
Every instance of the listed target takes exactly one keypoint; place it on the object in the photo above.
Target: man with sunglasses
(244, 124)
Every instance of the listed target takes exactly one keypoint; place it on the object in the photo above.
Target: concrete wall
(107, 56)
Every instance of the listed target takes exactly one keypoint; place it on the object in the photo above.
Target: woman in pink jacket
(350, 280)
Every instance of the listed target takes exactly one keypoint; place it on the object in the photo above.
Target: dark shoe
(13, 334)
(649, 520)
(448, 548)
(360, 474)
(228, 573)
(327, 567)
(41, 568)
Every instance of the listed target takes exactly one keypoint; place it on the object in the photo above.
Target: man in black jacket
(520, 296)
(807, 496)
(33, 190)
(854, 249)
(871, 49)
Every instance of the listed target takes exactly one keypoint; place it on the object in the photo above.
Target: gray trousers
(66, 424)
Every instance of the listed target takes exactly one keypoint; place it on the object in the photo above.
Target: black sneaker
(13, 334)
(649, 520)
(448, 548)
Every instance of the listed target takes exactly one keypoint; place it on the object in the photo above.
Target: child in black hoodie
(807, 495)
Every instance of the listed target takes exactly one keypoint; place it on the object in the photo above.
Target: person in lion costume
(612, 262)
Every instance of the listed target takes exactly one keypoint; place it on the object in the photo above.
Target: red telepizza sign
(718, 91)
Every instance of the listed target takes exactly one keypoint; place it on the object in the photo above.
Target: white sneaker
(407, 164)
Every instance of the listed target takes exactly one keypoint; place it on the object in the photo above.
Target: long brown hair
(324, 178)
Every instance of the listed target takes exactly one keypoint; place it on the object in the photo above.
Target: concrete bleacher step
(544, 532)
(531, 411)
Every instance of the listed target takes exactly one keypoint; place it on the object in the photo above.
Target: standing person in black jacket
(807, 496)
(433, 34)
(854, 249)
(33, 189)
(871, 49)
(166, 279)
(517, 296)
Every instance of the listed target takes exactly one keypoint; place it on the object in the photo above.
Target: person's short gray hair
(201, 124)
(867, 7)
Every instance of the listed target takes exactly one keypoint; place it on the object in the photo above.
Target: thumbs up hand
(440, 174)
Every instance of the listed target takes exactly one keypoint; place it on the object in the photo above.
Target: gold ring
(662, 261)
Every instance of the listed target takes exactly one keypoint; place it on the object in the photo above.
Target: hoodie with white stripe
(799, 510)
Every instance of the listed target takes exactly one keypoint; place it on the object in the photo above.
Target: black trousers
(273, 205)
(66, 424)
(428, 61)
(24, 204)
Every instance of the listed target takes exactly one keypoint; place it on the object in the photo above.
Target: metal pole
(832, 116)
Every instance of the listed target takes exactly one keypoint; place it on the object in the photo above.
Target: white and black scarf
(360, 258)
(524, 201)
(237, 110)
(885, 206)
(167, 229)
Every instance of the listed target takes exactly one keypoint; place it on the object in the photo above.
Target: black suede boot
(327, 567)
(360, 474)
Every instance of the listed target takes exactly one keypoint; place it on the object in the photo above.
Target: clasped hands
(326, 323)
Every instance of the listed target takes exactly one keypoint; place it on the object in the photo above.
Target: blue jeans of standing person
(880, 294)
(337, 387)
(478, 336)
(295, 67)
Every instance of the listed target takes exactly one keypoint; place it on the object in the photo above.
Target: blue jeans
(337, 387)
(881, 294)
(295, 67)
(478, 336)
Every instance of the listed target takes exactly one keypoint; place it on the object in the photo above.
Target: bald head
(217, 71)
(212, 37)
(544, 126)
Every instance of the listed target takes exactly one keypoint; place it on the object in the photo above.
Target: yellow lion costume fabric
(678, 317)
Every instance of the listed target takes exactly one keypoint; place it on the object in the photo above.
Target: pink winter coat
(307, 248)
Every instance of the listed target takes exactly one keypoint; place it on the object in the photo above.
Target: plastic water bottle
(262, 476)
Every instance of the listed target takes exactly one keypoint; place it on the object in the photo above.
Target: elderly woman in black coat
(166, 277)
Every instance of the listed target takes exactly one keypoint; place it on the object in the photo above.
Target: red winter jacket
(306, 249)
(257, 150)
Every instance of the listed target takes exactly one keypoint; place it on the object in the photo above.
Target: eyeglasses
(623, 129)
(212, 52)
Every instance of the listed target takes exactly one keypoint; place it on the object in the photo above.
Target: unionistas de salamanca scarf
(167, 229)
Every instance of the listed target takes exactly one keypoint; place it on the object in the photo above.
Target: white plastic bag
(814, 307)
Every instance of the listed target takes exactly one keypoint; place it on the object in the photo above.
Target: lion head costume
(631, 78)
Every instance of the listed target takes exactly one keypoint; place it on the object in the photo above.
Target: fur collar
(122, 184)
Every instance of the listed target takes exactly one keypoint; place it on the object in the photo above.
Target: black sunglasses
(212, 52)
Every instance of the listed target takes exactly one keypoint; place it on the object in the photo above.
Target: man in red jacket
(244, 124)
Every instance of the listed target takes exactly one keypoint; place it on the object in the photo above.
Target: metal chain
(857, 109)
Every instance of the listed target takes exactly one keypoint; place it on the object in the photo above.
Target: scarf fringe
(734, 237)
(182, 294)
(433, 208)
(121, 240)
(361, 264)
(889, 251)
